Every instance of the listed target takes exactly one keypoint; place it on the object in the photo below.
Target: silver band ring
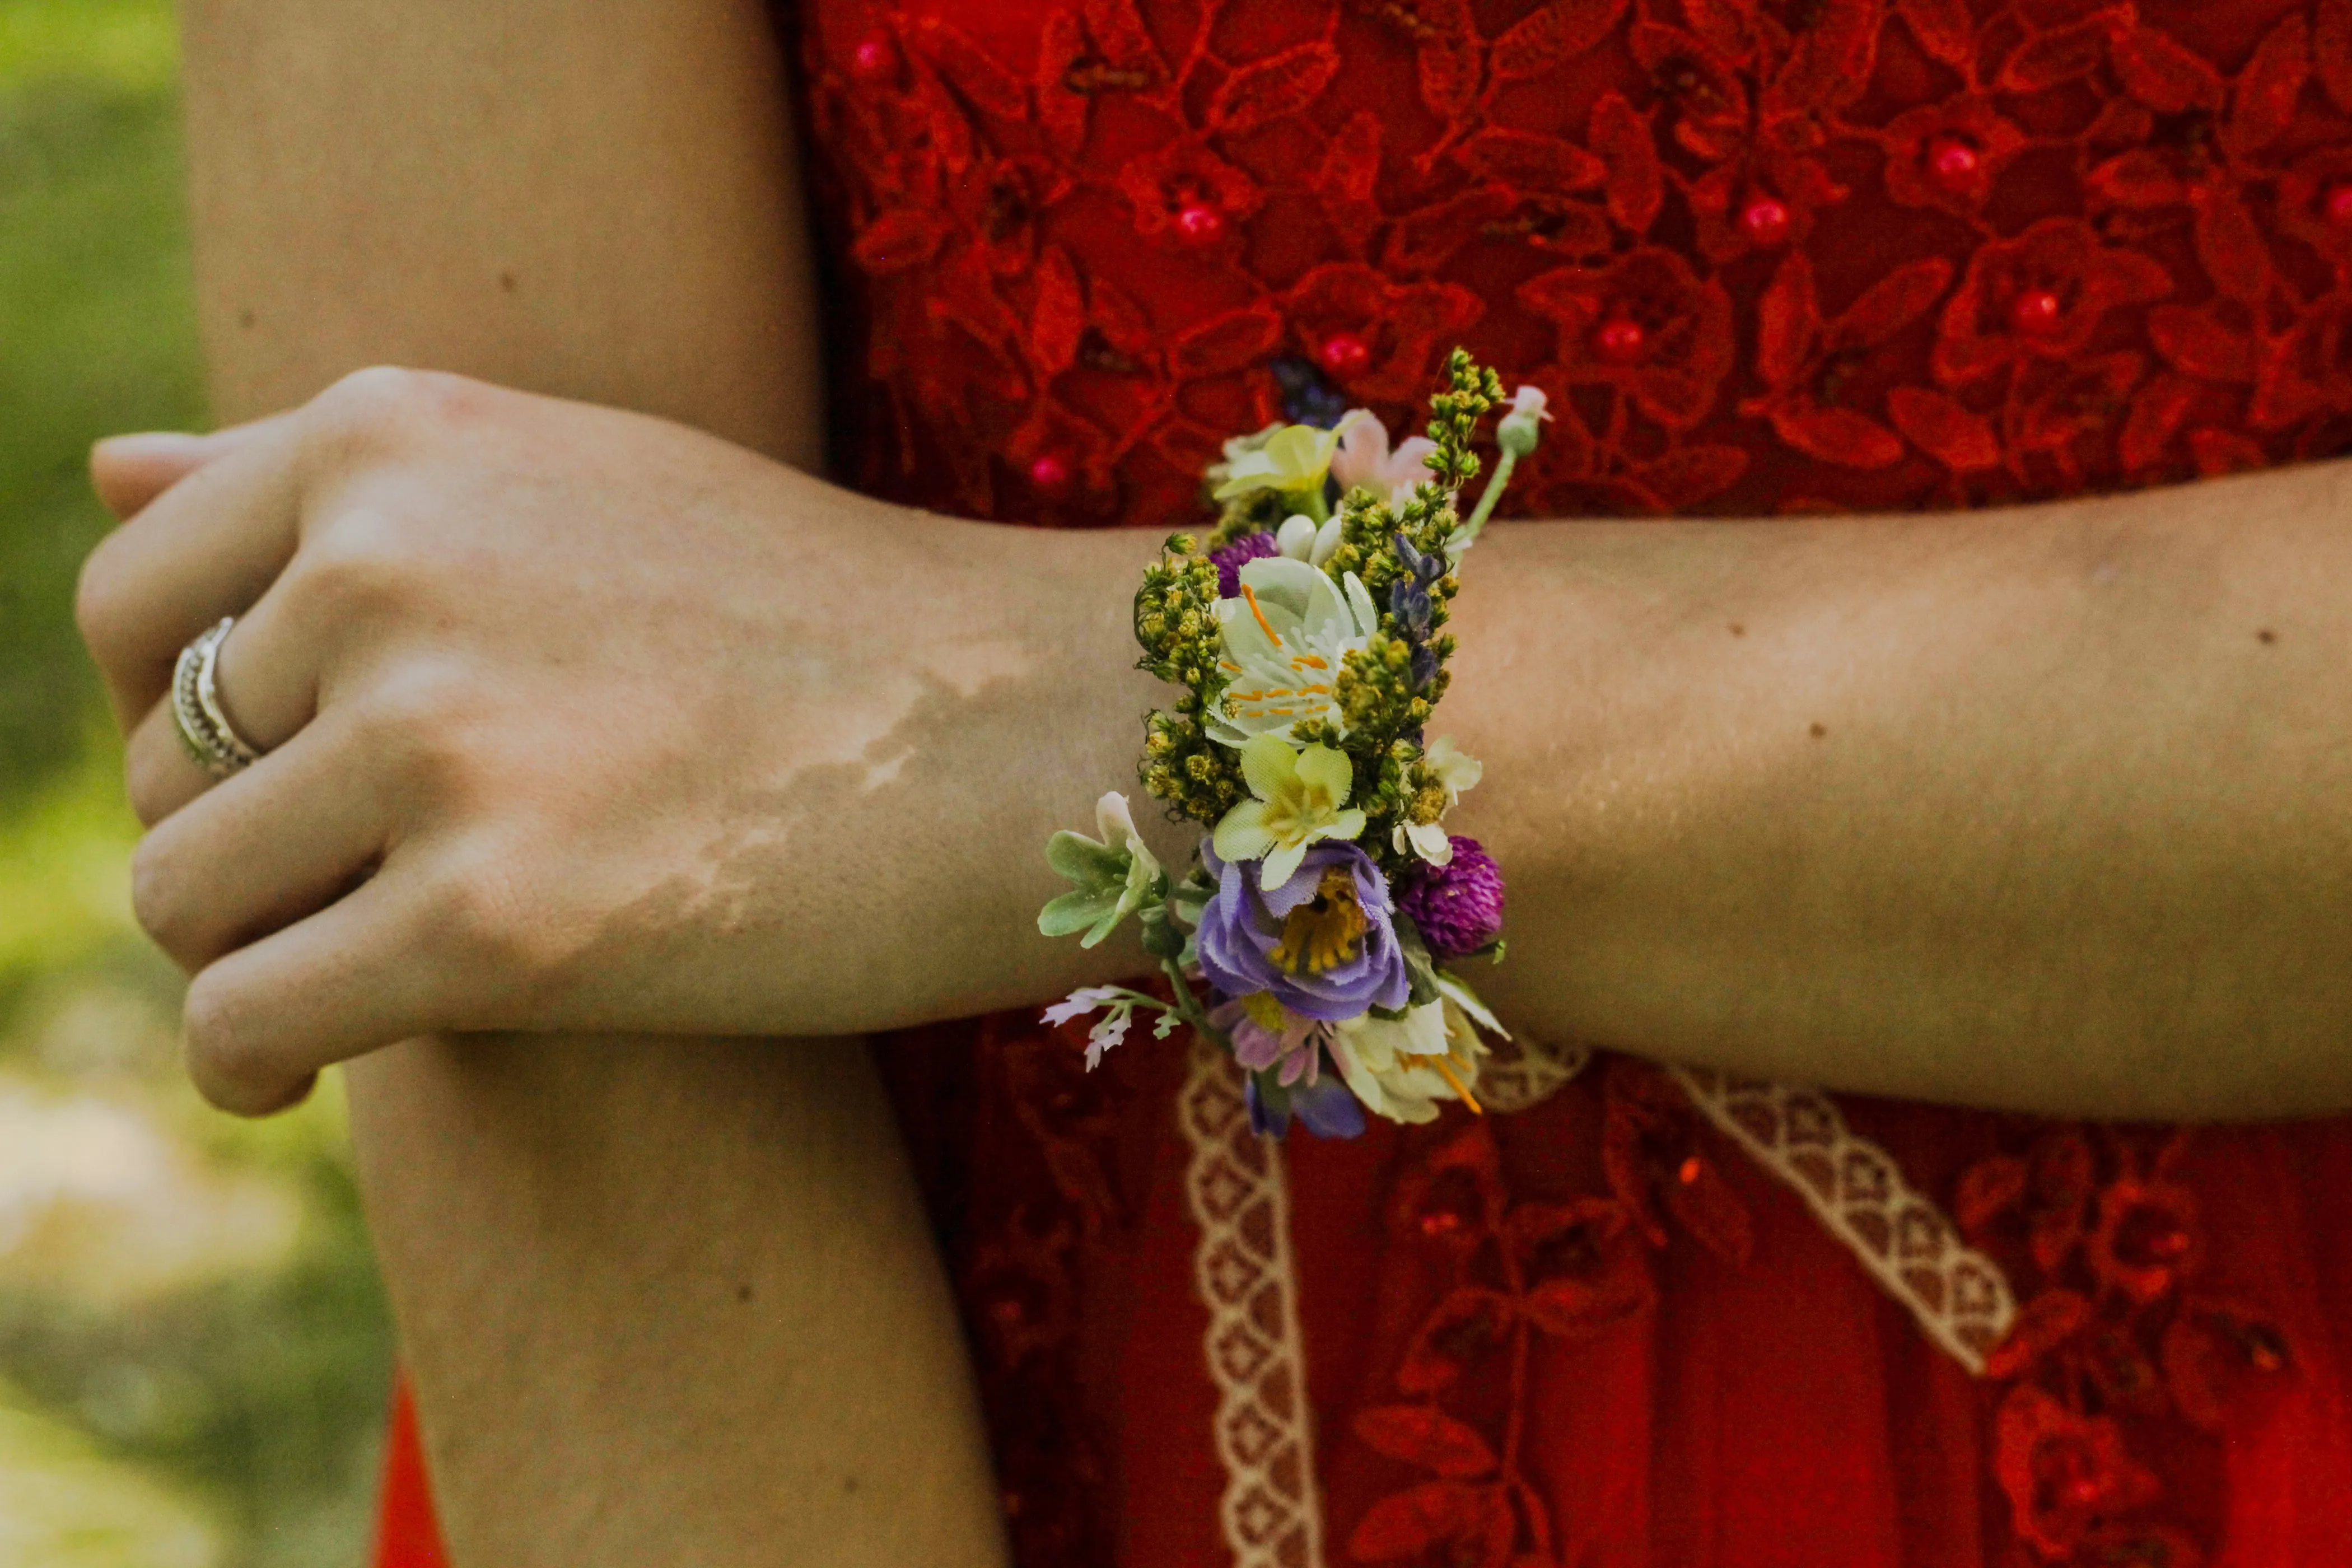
(196, 709)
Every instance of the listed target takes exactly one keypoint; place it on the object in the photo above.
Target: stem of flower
(1314, 505)
(1494, 492)
(1187, 1006)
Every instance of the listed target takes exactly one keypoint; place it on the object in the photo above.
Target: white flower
(1115, 823)
(1301, 539)
(1109, 1029)
(1458, 771)
(1402, 1068)
(1454, 768)
(1285, 638)
(1079, 1003)
(1364, 458)
(1240, 446)
(1427, 839)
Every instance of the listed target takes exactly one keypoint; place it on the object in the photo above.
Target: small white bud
(1327, 540)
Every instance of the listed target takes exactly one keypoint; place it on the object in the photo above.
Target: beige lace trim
(1959, 1296)
(1237, 1187)
(1522, 1074)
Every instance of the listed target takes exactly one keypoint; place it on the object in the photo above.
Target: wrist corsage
(1314, 935)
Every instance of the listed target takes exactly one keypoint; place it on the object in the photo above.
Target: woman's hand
(577, 718)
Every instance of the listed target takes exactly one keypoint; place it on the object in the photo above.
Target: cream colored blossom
(1452, 767)
(1293, 461)
(1285, 636)
(1400, 1069)
(1301, 538)
(1300, 797)
(1429, 840)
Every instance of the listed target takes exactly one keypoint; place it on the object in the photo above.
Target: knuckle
(222, 1062)
(368, 417)
(365, 401)
(100, 613)
(383, 405)
(151, 778)
(352, 570)
(411, 723)
(158, 900)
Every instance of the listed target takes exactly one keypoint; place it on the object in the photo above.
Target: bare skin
(664, 1302)
(2038, 810)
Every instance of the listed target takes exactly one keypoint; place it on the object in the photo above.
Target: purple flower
(1327, 1107)
(1230, 559)
(1268, 1039)
(1324, 942)
(1458, 906)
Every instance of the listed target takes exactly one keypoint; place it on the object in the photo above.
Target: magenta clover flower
(1230, 559)
(1458, 907)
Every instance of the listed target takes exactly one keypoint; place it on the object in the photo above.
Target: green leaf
(1086, 862)
(1421, 970)
(1075, 911)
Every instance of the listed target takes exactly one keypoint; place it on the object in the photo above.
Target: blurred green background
(194, 1352)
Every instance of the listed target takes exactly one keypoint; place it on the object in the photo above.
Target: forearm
(670, 1302)
(664, 1302)
(2042, 809)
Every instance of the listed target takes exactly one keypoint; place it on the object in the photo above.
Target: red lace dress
(1764, 256)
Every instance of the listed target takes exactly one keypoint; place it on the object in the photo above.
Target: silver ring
(196, 709)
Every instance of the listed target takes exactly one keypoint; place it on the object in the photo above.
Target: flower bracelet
(1312, 935)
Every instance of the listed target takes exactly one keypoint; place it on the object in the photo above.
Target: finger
(266, 676)
(268, 848)
(207, 547)
(263, 1021)
(129, 471)
(158, 772)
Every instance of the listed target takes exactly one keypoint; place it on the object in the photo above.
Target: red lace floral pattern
(1764, 256)
(1514, 1269)
(2115, 1341)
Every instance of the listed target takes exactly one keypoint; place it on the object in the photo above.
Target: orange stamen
(1446, 1073)
(1263, 624)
